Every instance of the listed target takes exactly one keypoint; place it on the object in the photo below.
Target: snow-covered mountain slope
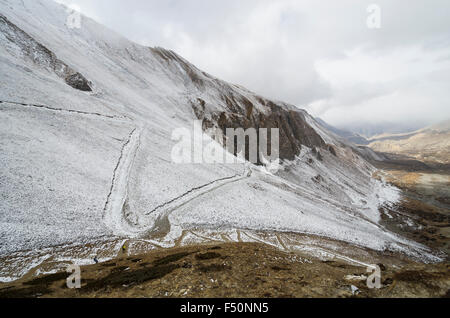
(85, 149)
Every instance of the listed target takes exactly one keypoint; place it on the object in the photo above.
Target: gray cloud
(318, 55)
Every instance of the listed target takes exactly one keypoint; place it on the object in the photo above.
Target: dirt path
(124, 250)
(201, 190)
(162, 225)
(118, 194)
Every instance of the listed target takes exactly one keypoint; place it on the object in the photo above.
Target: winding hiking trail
(114, 215)
(155, 223)
(113, 211)
(118, 194)
(205, 189)
(161, 225)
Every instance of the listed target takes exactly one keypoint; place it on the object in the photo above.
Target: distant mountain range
(347, 135)
(430, 144)
(368, 129)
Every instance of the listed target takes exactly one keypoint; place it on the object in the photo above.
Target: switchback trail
(246, 174)
(118, 194)
(161, 225)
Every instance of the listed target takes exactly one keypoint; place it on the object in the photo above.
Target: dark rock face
(332, 150)
(194, 74)
(41, 55)
(79, 82)
(293, 128)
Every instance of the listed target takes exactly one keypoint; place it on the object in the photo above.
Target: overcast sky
(317, 54)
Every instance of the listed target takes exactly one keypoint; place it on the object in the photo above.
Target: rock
(319, 156)
(332, 150)
(318, 179)
(79, 82)
(294, 131)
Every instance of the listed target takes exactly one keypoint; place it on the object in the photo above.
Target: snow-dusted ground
(79, 167)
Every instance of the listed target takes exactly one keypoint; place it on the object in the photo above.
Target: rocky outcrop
(41, 55)
(294, 131)
(79, 82)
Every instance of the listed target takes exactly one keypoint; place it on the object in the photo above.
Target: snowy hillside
(86, 119)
